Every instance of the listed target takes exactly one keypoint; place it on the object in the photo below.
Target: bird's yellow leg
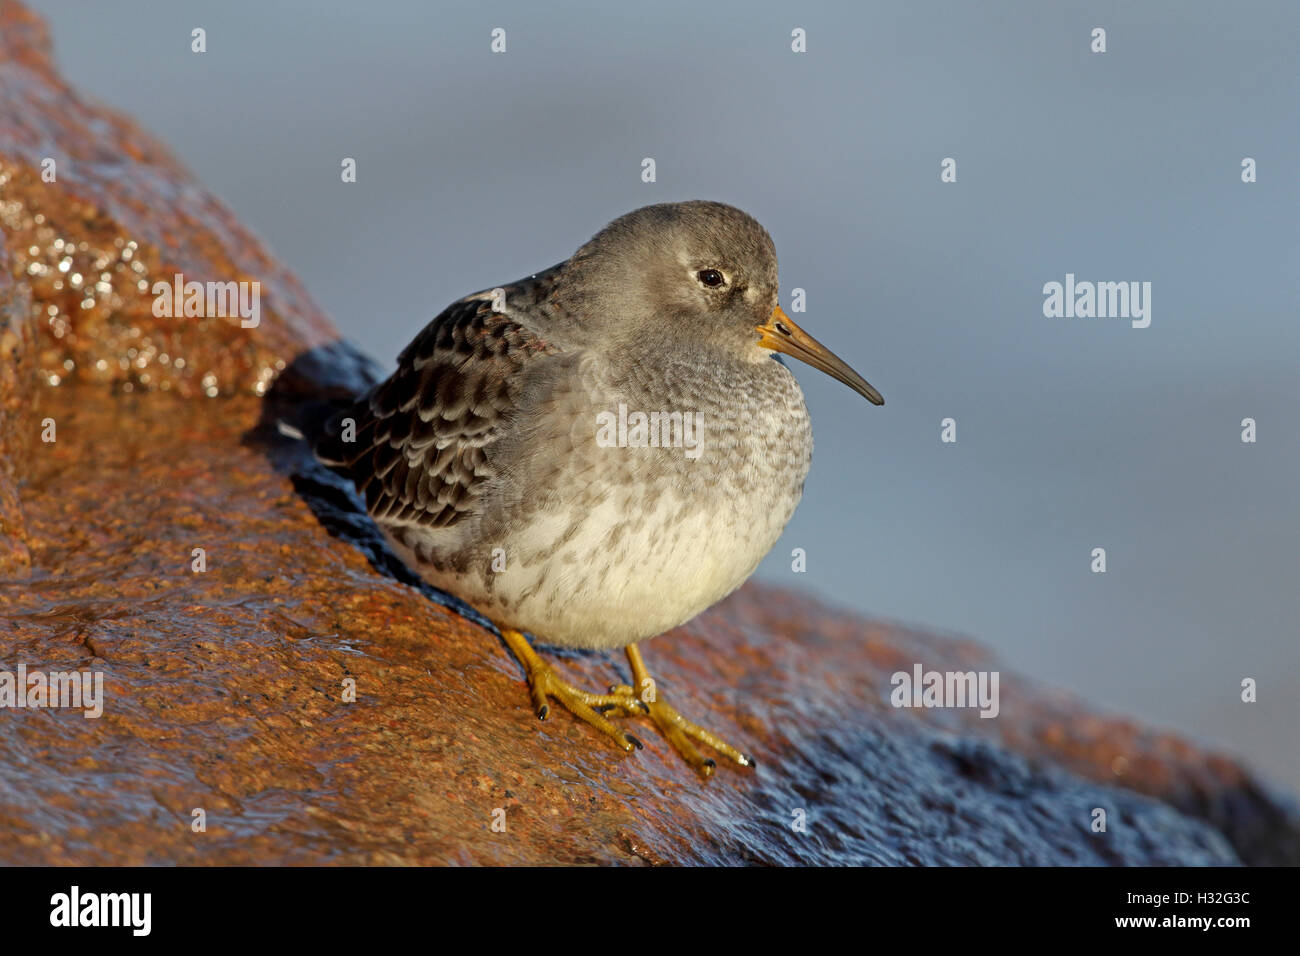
(543, 684)
(679, 731)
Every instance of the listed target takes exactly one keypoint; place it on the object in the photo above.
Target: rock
(225, 687)
(17, 387)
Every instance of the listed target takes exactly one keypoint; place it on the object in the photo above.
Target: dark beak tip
(871, 395)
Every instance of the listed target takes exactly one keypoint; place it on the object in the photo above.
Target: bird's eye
(710, 277)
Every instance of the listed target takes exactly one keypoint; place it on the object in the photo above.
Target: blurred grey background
(477, 168)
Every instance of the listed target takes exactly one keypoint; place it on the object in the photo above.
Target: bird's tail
(324, 427)
(289, 431)
(312, 399)
(334, 440)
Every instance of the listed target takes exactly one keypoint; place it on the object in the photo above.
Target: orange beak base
(780, 334)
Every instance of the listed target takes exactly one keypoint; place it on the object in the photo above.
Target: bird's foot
(621, 701)
(678, 731)
(544, 685)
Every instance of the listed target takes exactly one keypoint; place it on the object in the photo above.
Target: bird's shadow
(307, 392)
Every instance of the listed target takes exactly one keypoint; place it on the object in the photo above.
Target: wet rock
(17, 388)
(226, 688)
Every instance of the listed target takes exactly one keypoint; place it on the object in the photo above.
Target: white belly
(622, 544)
(671, 562)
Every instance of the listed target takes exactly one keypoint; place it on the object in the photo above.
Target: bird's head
(696, 274)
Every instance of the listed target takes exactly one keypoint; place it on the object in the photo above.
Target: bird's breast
(656, 497)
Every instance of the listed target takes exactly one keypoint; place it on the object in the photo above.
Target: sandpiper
(597, 453)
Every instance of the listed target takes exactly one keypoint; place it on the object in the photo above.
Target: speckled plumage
(485, 437)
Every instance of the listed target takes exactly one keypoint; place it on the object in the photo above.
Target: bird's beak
(780, 334)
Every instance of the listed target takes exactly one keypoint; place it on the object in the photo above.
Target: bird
(595, 454)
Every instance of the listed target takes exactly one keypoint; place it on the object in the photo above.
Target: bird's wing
(421, 436)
